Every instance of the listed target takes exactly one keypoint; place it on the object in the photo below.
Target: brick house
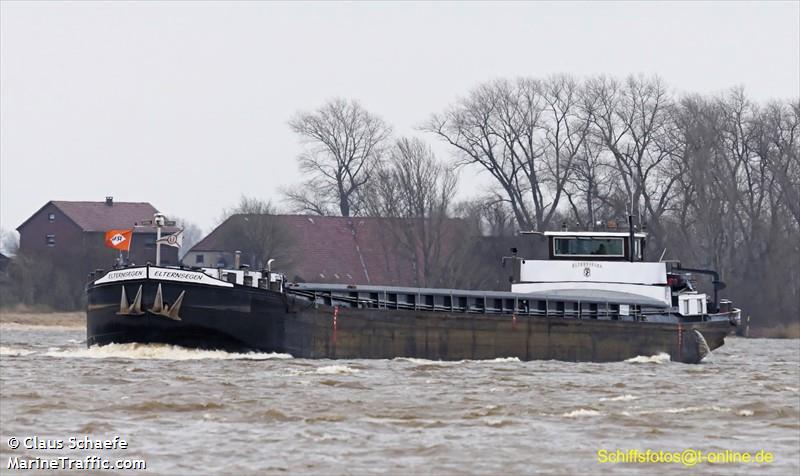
(74, 232)
(325, 249)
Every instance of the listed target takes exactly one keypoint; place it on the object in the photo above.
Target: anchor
(134, 309)
(170, 312)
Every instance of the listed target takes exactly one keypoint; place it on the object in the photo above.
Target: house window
(199, 259)
(51, 217)
(51, 240)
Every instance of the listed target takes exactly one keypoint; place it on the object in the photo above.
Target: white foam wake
(621, 398)
(414, 360)
(325, 370)
(499, 359)
(14, 351)
(158, 352)
(335, 370)
(660, 358)
(417, 361)
(679, 410)
(581, 412)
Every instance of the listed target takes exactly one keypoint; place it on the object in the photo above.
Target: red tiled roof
(356, 250)
(97, 216)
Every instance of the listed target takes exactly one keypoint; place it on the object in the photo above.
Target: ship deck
(565, 304)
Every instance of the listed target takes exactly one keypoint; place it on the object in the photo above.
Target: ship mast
(158, 221)
(631, 237)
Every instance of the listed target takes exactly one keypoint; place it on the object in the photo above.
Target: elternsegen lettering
(178, 275)
(126, 274)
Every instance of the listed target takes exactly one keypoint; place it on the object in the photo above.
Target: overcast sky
(186, 105)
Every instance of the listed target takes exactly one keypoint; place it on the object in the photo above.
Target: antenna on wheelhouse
(158, 220)
(631, 237)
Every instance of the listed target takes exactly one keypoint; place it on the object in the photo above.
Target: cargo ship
(592, 297)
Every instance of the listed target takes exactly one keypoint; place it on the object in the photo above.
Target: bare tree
(526, 134)
(344, 143)
(634, 122)
(9, 242)
(415, 191)
(255, 229)
(472, 126)
(700, 229)
(490, 214)
(716, 178)
(311, 198)
(734, 214)
(781, 129)
(743, 172)
(590, 185)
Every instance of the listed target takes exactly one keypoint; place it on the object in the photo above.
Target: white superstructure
(584, 262)
(643, 279)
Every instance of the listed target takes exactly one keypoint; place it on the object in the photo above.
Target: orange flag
(119, 239)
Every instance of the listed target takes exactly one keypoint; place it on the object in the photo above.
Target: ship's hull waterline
(254, 319)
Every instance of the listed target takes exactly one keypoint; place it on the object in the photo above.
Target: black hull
(250, 319)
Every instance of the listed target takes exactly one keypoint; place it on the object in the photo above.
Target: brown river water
(190, 412)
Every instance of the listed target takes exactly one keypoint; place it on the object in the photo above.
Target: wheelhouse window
(50, 240)
(589, 247)
(150, 242)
